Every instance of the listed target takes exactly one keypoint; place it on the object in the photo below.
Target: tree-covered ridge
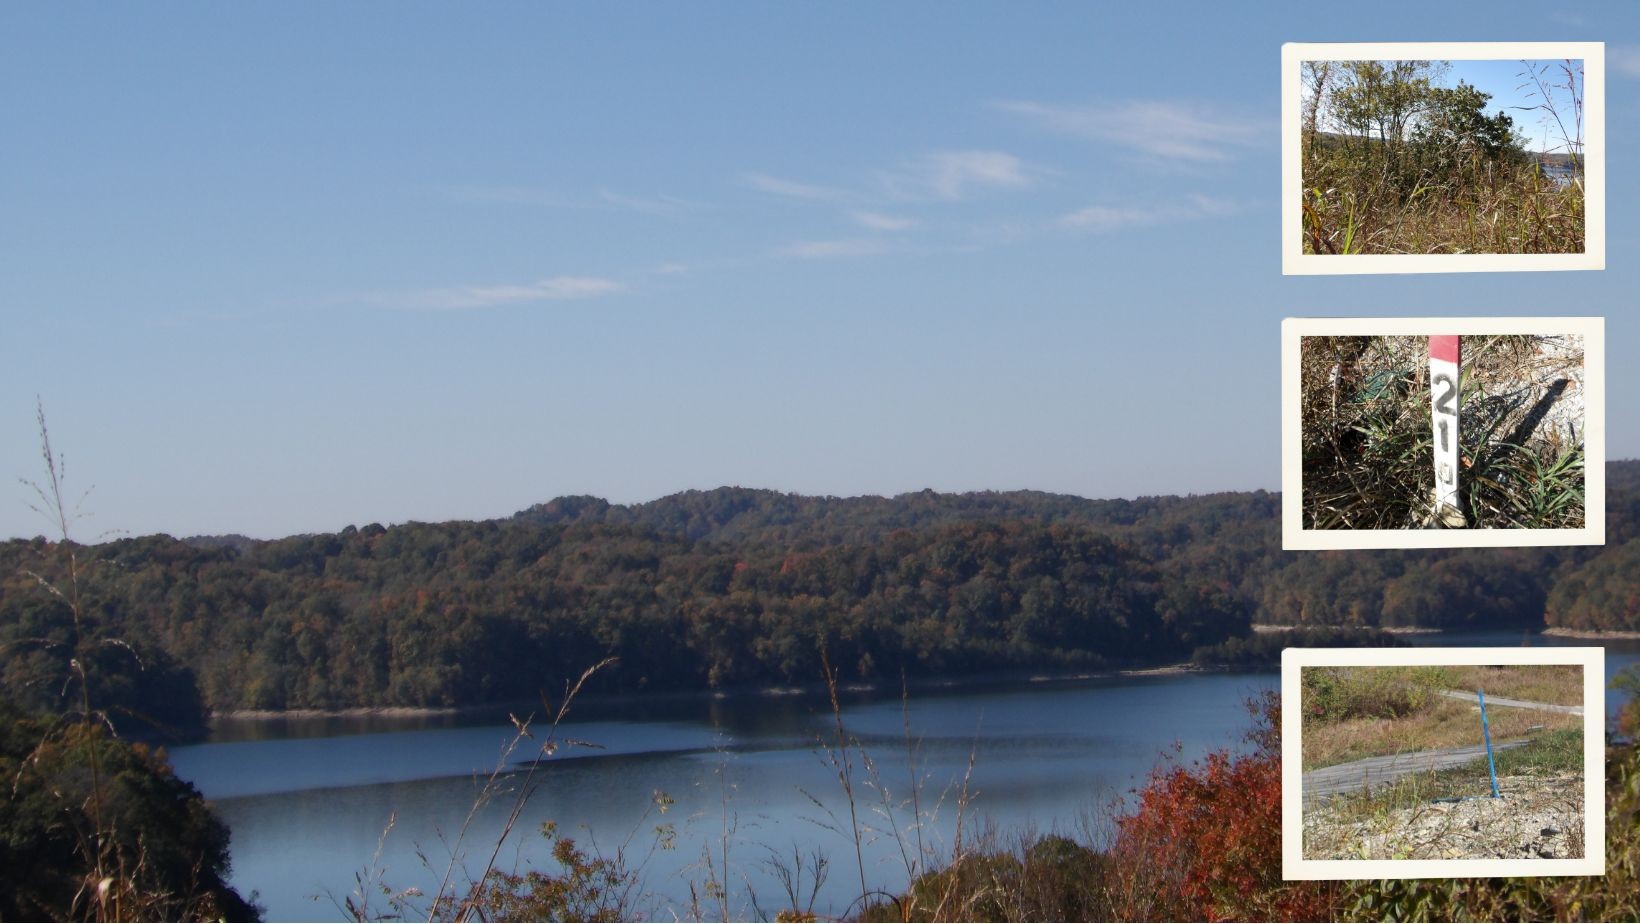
(728, 587)
(801, 521)
(474, 612)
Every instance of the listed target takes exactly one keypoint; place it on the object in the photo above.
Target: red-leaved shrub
(1203, 842)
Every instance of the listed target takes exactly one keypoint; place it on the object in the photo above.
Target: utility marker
(1444, 392)
(1491, 766)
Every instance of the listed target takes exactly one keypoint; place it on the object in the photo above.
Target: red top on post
(1444, 348)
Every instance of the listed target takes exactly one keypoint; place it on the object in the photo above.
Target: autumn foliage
(1203, 842)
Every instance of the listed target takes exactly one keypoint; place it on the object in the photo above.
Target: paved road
(1375, 771)
(1517, 703)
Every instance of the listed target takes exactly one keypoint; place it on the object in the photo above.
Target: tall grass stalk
(103, 888)
(843, 764)
(462, 898)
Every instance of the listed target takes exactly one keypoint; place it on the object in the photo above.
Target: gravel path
(1357, 775)
(1517, 703)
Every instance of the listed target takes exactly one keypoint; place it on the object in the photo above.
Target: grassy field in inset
(1355, 712)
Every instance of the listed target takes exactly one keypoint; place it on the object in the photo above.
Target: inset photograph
(1444, 762)
(1402, 433)
(1442, 157)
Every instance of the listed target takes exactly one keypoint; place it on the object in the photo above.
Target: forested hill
(800, 522)
(729, 587)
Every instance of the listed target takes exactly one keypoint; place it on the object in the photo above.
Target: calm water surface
(308, 802)
(307, 813)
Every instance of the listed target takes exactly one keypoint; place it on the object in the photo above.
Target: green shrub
(1336, 694)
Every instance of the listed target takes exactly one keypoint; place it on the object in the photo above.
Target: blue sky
(1515, 93)
(277, 268)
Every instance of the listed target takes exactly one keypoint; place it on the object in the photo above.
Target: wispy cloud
(877, 221)
(1104, 218)
(940, 175)
(791, 188)
(605, 199)
(1624, 59)
(1168, 129)
(955, 174)
(824, 250)
(464, 298)
(649, 205)
(509, 195)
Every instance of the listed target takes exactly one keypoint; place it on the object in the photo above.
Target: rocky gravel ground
(1525, 390)
(1535, 817)
(1531, 397)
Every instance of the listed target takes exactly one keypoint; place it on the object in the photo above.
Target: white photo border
(1293, 864)
(1293, 534)
(1294, 262)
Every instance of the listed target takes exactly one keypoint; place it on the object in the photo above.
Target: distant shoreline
(918, 685)
(929, 683)
(354, 712)
(1264, 627)
(1592, 633)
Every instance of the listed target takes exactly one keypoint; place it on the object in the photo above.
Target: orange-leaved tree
(1203, 842)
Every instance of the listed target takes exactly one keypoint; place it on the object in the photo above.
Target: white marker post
(1443, 395)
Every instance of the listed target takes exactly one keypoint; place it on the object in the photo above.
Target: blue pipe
(1491, 766)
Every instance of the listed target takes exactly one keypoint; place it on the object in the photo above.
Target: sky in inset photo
(1517, 95)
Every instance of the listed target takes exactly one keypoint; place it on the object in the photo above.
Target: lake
(1560, 174)
(750, 779)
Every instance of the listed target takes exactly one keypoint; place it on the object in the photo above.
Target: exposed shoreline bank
(1592, 633)
(1260, 628)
